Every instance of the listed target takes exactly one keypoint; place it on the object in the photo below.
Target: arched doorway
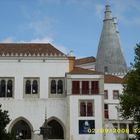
(21, 129)
(57, 131)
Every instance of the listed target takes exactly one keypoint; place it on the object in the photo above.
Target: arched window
(21, 130)
(57, 131)
(28, 87)
(53, 86)
(3, 88)
(9, 88)
(35, 87)
(60, 87)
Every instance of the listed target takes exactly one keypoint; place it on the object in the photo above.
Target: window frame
(106, 94)
(114, 96)
(85, 87)
(7, 79)
(31, 79)
(106, 111)
(86, 102)
(76, 87)
(56, 94)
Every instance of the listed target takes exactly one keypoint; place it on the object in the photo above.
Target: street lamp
(45, 130)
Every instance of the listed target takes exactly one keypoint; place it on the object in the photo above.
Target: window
(9, 88)
(94, 87)
(106, 69)
(28, 87)
(31, 86)
(60, 87)
(85, 87)
(86, 108)
(6, 87)
(115, 94)
(53, 86)
(106, 115)
(35, 87)
(56, 85)
(75, 87)
(131, 128)
(105, 94)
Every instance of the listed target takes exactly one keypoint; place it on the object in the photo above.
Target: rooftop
(112, 79)
(78, 70)
(85, 60)
(29, 49)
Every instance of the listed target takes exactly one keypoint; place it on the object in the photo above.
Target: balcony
(85, 92)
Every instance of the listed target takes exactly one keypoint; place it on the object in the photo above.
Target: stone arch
(57, 122)
(17, 130)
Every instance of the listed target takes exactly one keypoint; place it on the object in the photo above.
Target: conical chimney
(110, 57)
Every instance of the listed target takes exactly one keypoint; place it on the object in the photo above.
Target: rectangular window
(86, 108)
(6, 87)
(105, 94)
(85, 87)
(31, 86)
(106, 114)
(82, 109)
(75, 87)
(115, 94)
(94, 87)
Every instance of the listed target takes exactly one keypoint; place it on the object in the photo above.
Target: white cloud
(99, 9)
(39, 40)
(127, 11)
(7, 40)
(40, 26)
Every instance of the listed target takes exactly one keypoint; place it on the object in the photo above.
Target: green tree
(130, 99)
(4, 121)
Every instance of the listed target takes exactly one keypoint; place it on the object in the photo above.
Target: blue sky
(69, 24)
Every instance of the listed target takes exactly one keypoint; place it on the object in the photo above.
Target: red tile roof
(78, 70)
(112, 79)
(85, 60)
(28, 49)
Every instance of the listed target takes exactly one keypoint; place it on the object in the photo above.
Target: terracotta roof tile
(78, 70)
(112, 79)
(85, 60)
(28, 49)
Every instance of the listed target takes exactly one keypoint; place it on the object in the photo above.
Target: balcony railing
(85, 92)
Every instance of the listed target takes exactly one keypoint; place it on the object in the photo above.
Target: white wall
(74, 117)
(112, 103)
(33, 109)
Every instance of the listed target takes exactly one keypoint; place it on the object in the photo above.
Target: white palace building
(74, 98)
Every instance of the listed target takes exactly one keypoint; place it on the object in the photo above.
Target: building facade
(37, 80)
(42, 87)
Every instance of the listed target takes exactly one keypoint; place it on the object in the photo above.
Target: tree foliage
(4, 121)
(130, 100)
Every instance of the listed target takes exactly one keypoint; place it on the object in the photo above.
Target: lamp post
(45, 129)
